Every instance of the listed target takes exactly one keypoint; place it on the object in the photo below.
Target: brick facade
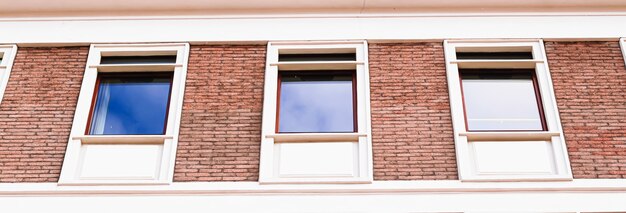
(411, 123)
(220, 130)
(590, 85)
(37, 110)
(221, 119)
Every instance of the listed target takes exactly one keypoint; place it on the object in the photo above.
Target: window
(505, 119)
(316, 114)
(127, 118)
(7, 55)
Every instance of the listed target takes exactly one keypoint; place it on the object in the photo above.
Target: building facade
(353, 106)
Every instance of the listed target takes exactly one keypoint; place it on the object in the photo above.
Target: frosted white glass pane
(317, 159)
(501, 104)
(513, 157)
(120, 161)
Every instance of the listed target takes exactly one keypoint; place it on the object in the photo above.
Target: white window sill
(509, 136)
(315, 137)
(122, 139)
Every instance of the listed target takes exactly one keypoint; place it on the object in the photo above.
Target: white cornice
(203, 30)
(311, 15)
(90, 8)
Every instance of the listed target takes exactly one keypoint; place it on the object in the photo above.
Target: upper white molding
(41, 8)
(260, 30)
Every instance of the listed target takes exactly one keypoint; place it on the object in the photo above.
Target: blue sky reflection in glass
(131, 106)
(316, 102)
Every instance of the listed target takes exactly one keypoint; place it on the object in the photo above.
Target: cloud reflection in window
(319, 103)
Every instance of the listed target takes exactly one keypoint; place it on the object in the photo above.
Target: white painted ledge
(317, 65)
(598, 195)
(136, 67)
(122, 139)
(315, 137)
(376, 187)
(508, 136)
(496, 63)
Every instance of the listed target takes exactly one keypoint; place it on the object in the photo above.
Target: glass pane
(494, 55)
(318, 57)
(131, 106)
(153, 59)
(311, 102)
(501, 102)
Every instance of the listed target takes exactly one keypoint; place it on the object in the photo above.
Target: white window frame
(269, 163)
(70, 173)
(7, 53)
(466, 154)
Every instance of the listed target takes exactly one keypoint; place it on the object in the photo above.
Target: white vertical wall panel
(317, 159)
(526, 157)
(120, 161)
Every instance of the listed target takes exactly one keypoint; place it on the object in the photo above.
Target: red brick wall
(220, 131)
(221, 123)
(411, 121)
(590, 85)
(36, 112)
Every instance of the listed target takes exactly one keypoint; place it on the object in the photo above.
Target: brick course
(411, 123)
(220, 132)
(37, 110)
(590, 84)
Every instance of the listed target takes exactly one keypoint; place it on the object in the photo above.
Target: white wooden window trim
(7, 53)
(272, 141)
(464, 140)
(165, 144)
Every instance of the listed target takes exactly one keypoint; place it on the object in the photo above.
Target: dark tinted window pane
(494, 55)
(316, 102)
(131, 106)
(318, 57)
(500, 100)
(154, 59)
